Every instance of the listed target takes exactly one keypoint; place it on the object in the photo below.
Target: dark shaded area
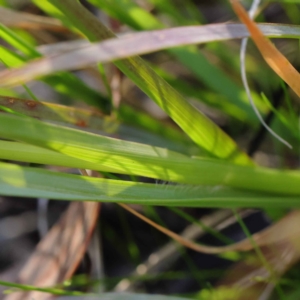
(119, 229)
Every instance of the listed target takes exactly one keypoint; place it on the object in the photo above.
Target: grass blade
(139, 43)
(31, 182)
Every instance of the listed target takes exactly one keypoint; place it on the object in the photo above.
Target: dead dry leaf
(11, 18)
(69, 57)
(251, 278)
(278, 62)
(58, 254)
(285, 230)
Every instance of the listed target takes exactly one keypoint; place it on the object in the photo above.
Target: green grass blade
(32, 182)
(24, 287)
(53, 11)
(33, 154)
(129, 13)
(129, 115)
(188, 90)
(17, 42)
(191, 15)
(11, 58)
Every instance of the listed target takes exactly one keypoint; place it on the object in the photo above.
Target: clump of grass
(210, 167)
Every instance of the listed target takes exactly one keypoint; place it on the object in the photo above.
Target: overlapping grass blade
(63, 82)
(202, 131)
(139, 43)
(150, 131)
(178, 109)
(147, 42)
(183, 86)
(275, 59)
(130, 13)
(112, 155)
(93, 121)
